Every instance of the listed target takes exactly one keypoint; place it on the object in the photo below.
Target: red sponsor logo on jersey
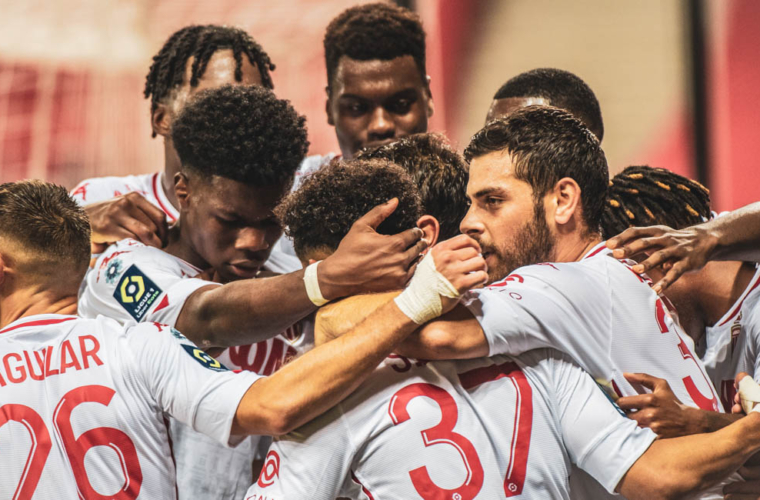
(736, 330)
(270, 471)
(292, 333)
(505, 281)
(727, 393)
(81, 191)
(264, 358)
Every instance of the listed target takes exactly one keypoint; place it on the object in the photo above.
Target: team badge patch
(203, 358)
(136, 292)
(113, 271)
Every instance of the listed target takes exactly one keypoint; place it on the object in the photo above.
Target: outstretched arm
(734, 236)
(672, 468)
(250, 311)
(321, 378)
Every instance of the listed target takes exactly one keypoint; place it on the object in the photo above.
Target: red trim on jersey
(593, 252)
(364, 488)
(741, 303)
(158, 198)
(161, 305)
(41, 322)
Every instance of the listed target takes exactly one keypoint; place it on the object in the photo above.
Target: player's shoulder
(104, 188)
(128, 254)
(564, 277)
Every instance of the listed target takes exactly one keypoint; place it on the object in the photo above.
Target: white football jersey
(136, 282)
(104, 188)
(476, 429)
(606, 317)
(732, 345)
(83, 406)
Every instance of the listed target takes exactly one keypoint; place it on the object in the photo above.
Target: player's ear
(3, 270)
(182, 189)
(430, 227)
(566, 201)
(161, 120)
(328, 107)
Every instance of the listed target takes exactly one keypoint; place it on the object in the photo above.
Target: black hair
(321, 212)
(375, 31)
(243, 133)
(439, 172)
(200, 43)
(561, 89)
(646, 196)
(547, 144)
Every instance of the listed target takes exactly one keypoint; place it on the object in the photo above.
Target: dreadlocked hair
(201, 42)
(646, 196)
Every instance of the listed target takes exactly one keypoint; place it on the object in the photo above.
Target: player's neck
(171, 167)
(31, 302)
(725, 282)
(574, 246)
(179, 245)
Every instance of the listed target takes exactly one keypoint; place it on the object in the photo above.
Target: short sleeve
(312, 462)
(187, 383)
(537, 308)
(598, 436)
(99, 189)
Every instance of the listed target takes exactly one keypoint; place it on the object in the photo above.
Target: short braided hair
(439, 172)
(201, 42)
(646, 196)
(321, 212)
(375, 31)
(561, 89)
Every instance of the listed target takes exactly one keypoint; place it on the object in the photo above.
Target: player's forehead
(493, 172)
(221, 71)
(376, 79)
(508, 105)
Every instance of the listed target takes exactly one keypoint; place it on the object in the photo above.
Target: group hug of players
(431, 325)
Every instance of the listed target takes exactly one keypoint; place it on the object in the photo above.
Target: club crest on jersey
(204, 359)
(136, 292)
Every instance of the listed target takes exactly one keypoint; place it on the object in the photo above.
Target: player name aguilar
(16, 367)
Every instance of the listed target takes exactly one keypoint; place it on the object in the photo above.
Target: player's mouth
(245, 269)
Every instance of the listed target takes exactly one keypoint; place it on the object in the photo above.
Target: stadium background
(677, 80)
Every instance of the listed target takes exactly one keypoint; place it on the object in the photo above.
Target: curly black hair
(375, 31)
(201, 42)
(321, 212)
(547, 144)
(243, 133)
(562, 89)
(646, 196)
(439, 172)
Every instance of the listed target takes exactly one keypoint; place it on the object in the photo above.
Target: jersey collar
(596, 250)
(157, 184)
(36, 321)
(734, 310)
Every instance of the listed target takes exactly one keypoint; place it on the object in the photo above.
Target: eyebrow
(489, 191)
(407, 92)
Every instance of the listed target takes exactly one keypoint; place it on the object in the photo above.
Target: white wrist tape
(311, 281)
(749, 395)
(421, 301)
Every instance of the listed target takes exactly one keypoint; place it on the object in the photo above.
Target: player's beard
(532, 244)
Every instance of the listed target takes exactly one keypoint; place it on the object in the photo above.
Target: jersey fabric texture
(732, 344)
(135, 282)
(83, 405)
(602, 314)
(474, 429)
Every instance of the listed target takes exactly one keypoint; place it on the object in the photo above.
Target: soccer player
(239, 147)
(495, 428)
(549, 87)
(83, 402)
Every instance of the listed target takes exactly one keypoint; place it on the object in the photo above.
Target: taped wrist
(421, 300)
(749, 395)
(311, 281)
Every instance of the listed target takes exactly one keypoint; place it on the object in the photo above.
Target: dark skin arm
(734, 236)
(126, 216)
(662, 412)
(250, 311)
(321, 378)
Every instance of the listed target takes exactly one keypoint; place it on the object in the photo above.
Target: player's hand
(366, 261)
(126, 216)
(660, 410)
(459, 261)
(678, 251)
(744, 490)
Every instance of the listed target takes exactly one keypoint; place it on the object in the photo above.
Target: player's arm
(673, 468)
(456, 335)
(661, 411)
(313, 383)
(734, 236)
(249, 311)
